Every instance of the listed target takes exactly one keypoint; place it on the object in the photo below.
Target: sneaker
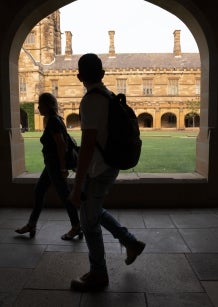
(91, 281)
(133, 250)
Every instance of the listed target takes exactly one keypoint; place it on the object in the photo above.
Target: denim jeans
(93, 216)
(51, 174)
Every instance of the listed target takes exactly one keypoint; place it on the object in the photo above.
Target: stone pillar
(57, 32)
(68, 47)
(157, 123)
(181, 123)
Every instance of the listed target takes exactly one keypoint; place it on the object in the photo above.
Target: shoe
(133, 250)
(27, 228)
(75, 231)
(91, 281)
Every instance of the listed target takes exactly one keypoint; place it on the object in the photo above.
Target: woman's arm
(61, 150)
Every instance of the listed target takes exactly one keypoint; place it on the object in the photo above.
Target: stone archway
(168, 120)
(30, 14)
(192, 120)
(145, 120)
(72, 121)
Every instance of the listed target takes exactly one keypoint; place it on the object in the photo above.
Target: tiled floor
(178, 268)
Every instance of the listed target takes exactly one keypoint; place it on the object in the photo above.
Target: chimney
(68, 47)
(111, 47)
(177, 46)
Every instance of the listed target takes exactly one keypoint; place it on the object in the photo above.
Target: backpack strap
(119, 98)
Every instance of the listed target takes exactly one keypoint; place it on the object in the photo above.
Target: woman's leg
(62, 188)
(39, 195)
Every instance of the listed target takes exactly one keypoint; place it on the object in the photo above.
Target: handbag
(71, 153)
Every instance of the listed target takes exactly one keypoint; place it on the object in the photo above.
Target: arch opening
(174, 7)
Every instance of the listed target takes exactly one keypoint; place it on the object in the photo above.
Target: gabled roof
(132, 61)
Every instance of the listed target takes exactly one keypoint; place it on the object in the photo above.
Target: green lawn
(162, 152)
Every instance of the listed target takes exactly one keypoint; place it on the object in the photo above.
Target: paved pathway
(178, 268)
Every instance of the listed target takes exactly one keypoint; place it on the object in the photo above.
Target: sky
(139, 27)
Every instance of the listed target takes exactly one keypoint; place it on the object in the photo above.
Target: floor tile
(15, 213)
(165, 241)
(58, 214)
(178, 266)
(20, 256)
(12, 281)
(13, 276)
(46, 298)
(211, 289)
(51, 232)
(73, 248)
(201, 240)
(131, 220)
(161, 240)
(152, 273)
(205, 265)
(202, 220)
(158, 221)
(82, 248)
(13, 224)
(56, 270)
(179, 300)
(7, 299)
(113, 300)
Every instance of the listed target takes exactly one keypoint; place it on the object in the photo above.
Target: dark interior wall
(125, 193)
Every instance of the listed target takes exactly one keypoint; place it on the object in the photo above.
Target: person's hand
(65, 173)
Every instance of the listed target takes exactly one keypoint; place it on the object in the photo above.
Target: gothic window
(22, 85)
(121, 86)
(147, 87)
(173, 89)
(54, 87)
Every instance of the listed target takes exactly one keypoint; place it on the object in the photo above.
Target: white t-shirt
(94, 115)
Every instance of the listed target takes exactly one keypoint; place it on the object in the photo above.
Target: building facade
(162, 88)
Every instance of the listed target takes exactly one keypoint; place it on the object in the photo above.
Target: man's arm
(88, 142)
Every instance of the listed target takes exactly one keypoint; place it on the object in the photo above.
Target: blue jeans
(92, 216)
(51, 174)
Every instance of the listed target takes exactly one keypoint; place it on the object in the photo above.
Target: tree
(194, 107)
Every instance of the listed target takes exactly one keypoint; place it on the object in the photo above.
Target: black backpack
(123, 146)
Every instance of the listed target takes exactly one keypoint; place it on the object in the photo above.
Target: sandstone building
(143, 190)
(162, 88)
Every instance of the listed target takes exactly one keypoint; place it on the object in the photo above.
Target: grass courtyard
(162, 151)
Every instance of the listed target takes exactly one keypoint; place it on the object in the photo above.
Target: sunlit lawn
(162, 152)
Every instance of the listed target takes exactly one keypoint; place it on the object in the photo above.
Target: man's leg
(94, 192)
(133, 246)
